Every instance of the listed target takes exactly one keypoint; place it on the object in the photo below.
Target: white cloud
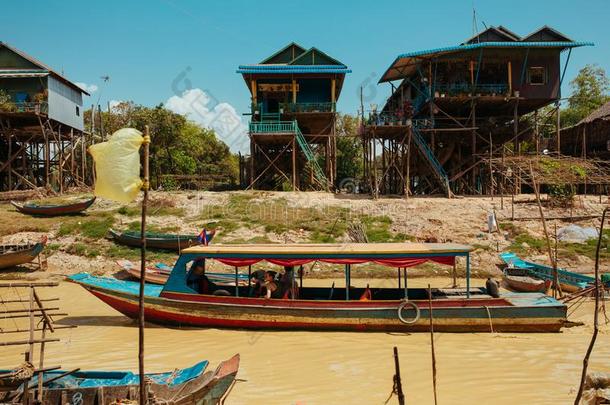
(206, 111)
(89, 88)
(115, 103)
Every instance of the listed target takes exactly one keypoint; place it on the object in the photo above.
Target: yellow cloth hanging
(117, 165)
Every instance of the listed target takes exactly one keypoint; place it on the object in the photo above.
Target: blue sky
(154, 50)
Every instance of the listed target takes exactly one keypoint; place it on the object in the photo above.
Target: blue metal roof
(481, 45)
(243, 69)
(496, 45)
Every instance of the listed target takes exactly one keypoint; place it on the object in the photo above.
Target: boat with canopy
(347, 308)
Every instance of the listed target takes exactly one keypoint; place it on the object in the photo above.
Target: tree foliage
(349, 148)
(589, 91)
(178, 146)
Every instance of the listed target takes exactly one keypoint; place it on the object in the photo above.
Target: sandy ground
(459, 220)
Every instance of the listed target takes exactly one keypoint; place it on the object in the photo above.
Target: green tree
(589, 91)
(349, 148)
(178, 146)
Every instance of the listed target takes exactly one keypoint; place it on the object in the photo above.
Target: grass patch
(530, 242)
(93, 228)
(510, 228)
(571, 250)
(82, 249)
(135, 226)
(324, 225)
(129, 253)
(129, 211)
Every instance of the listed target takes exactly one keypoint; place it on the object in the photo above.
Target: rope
(491, 326)
(394, 390)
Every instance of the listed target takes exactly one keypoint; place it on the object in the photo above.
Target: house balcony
(461, 89)
(295, 108)
(25, 107)
(273, 127)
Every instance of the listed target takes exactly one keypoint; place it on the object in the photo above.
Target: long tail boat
(180, 387)
(159, 274)
(400, 309)
(164, 241)
(569, 281)
(15, 255)
(51, 210)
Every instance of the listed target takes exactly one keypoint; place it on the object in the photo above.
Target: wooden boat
(569, 281)
(388, 309)
(15, 255)
(159, 273)
(181, 387)
(163, 241)
(521, 281)
(50, 210)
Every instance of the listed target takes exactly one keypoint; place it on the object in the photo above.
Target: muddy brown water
(331, 367)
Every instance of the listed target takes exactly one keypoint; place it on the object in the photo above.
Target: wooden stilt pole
(143, 394)
(397, 380)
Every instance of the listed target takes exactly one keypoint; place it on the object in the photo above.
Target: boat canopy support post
(404, 271)
(236, 281)
(467, 275)
(399, 283)
(348, 280)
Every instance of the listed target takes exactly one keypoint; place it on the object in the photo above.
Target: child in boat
(271, 288)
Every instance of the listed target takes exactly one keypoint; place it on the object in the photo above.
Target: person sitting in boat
(272, 290)
(198, 281)
(257, 282)
(287, 285)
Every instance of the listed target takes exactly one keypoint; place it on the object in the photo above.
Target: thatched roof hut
(589, 138)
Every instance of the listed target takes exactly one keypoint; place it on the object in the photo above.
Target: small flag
(117, 165)
(205, 237)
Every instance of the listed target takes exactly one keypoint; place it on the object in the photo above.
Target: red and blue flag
(205, 237)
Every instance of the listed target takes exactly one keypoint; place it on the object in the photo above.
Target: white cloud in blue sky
(89, 88)
(200, 107)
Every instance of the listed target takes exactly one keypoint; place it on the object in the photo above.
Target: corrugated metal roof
(42, 65)
(293, 69)
(479, 45)
(496, 45)
(8, 74)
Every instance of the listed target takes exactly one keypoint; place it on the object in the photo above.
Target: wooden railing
(25, 107)
(272, 127)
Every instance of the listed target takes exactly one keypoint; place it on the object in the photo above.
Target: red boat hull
(450, 315)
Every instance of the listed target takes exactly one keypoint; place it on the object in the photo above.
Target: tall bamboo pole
(585, 360)
(556, 287)
(143, 395)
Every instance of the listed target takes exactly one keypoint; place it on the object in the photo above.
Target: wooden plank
(27, 315)
(21, 311)
(37, 329)
(28, 342)
(32, 284)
